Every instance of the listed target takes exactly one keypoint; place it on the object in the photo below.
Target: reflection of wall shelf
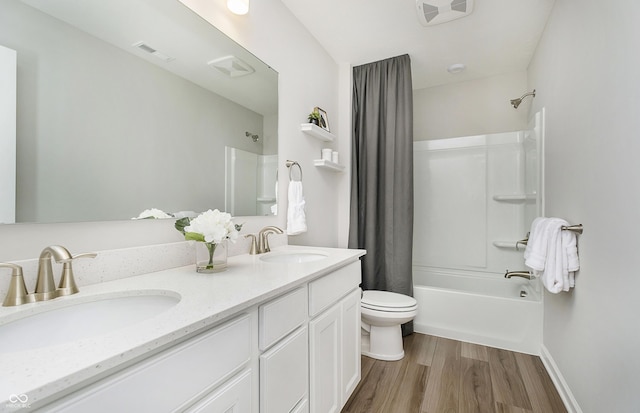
(322, 163)
(508, 245)
(317, 132)
(266, 199)
(515, 198)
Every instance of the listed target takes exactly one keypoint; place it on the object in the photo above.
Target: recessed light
(456, 68)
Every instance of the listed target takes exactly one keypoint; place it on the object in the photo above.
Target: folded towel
(536, 251)
(296, 220)
(552, 254)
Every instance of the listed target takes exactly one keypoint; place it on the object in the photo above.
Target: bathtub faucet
(523, 274)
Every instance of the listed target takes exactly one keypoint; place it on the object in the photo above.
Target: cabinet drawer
(167, 381)
(284, 373)
(233, 397)
(327, 290)
(281, 316)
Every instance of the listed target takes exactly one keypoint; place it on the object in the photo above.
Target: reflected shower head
(252, 136)
(516, 102)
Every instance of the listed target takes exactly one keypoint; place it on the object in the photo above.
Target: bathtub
(480, 308)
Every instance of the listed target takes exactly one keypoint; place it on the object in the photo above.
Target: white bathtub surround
(482, 194)
(482, 309)
(552, 254)
(205, 300)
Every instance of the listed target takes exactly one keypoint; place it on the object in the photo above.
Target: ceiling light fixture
(239, 7)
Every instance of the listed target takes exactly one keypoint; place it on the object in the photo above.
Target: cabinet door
(284, 373)
(350, 344)
(324, 353)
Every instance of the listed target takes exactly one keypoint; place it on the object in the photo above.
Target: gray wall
(586, 73)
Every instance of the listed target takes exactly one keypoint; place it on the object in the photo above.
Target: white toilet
(382, 313)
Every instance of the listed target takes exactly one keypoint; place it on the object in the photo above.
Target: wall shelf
(317, 132)
(514, 197)
(324, 164)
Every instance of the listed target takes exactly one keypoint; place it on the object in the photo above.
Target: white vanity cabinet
(284, 365)
(177, 377)
(297, 352)
(334, 339)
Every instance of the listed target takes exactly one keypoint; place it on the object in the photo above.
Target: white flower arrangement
(153, 213)
(210, 227)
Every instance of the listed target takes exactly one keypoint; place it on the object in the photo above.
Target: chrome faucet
(523, 274)
(45, 286)
(263, 238)
(260, 242)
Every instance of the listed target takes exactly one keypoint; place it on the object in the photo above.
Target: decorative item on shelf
(314, 117)
(324, 119)
(210, 230)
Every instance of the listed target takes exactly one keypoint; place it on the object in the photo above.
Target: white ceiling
(499, 36)
(174, 30)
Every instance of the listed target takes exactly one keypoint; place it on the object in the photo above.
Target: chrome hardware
(254, 245)
(523, 274)
(523, 241)
(45, 286)
(290, 165)
(67, 284)
(263, 238)
(17, 293)
(578, 229)
(523, 293)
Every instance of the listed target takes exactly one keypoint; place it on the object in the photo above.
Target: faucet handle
(67, 284)
(17, 293)
(254, 246)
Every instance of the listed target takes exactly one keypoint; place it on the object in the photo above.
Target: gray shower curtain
(382, 174)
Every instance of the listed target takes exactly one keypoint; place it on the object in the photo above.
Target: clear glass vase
(211, 257)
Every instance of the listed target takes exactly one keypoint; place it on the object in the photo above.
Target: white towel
(552, 254)
(296, 220)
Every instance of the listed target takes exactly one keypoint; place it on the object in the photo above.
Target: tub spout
(523, 274)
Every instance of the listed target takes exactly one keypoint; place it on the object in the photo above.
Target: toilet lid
(375, 300)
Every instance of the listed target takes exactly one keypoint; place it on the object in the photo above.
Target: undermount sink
(296, 257)
(71, 318)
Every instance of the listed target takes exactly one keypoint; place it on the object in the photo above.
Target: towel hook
(290, 165)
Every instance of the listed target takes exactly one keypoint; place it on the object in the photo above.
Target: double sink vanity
(276, 332)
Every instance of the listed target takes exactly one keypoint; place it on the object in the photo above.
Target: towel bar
(573, 228)
(290, 165)
(578, 229)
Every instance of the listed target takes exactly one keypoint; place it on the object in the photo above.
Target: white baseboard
(570, 403)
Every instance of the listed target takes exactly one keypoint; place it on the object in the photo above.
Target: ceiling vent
(432, 12)
(231, 66)
(148, 49)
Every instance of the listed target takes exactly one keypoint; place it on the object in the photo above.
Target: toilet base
(382, 343)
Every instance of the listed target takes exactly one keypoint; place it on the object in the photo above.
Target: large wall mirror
(126, 105)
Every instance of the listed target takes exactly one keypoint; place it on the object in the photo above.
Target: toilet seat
(387, 301)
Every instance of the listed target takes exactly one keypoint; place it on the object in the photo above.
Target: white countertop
(206, 299)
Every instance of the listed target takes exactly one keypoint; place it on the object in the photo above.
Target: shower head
(516, 102)
(252, 136)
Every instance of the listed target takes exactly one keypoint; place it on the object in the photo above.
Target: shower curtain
(382, 174)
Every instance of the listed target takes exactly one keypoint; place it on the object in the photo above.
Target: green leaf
(194, 236)
(182, 223)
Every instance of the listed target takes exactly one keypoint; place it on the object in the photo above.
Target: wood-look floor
(438, 375)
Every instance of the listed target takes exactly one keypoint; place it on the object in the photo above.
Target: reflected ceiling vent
(432, 12)
(148, 49)
(231, 66)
